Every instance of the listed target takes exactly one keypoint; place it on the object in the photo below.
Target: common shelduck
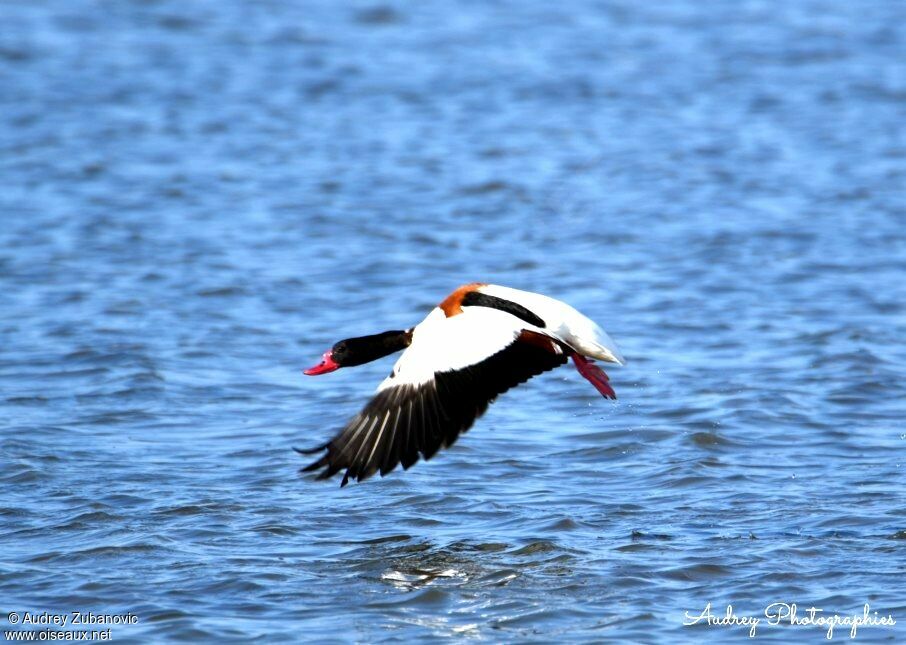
(479, 342)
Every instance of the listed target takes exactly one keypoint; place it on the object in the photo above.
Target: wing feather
(405, 421)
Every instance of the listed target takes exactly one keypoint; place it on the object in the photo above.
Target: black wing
(404, 422)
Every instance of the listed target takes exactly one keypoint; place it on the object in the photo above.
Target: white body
(441, 343)
(563, 322)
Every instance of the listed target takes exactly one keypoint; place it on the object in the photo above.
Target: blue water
(198, 198)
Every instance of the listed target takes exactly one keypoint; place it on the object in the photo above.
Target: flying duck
(482, 340)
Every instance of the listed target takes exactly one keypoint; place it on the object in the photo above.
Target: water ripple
(193, 212)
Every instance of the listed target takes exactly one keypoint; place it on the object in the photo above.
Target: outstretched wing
(412, 418)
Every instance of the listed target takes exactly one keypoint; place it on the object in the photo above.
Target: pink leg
(595, 376)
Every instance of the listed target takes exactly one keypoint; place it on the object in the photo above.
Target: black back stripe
(478, 299)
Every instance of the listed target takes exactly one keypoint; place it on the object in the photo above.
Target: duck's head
(340, 355)
(358, 351)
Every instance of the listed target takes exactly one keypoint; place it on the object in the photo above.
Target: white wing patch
(441, 344)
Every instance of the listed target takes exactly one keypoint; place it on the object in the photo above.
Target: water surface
(199, 198)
